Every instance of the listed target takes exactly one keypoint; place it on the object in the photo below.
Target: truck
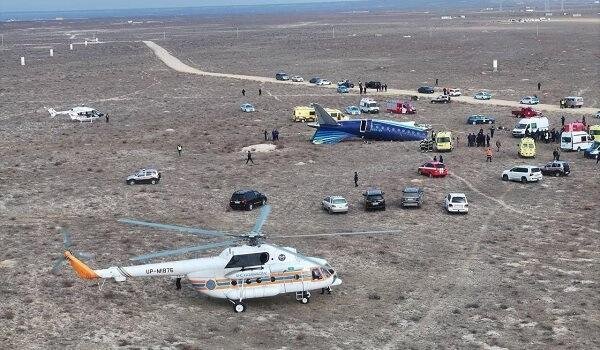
(527, 126)
(368, 105)
(526, 112)
(400, 107)
(574, 126)
(575, 141)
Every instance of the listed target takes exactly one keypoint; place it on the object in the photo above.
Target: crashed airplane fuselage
(330, 131)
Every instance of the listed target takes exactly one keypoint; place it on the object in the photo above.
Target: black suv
(247, 199)
(374, 199)
(426, 90)
(346, 83)
(373, 85)
(556, 168)
(282, 76)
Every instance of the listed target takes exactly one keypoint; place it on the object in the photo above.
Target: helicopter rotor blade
(261, 219)
(67, 242)
(184, 229)
(339, 234)
(183, 250)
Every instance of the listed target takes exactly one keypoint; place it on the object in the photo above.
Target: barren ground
(521, 270)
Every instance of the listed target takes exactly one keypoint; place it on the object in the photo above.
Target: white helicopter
(252, 270)
(79, 114)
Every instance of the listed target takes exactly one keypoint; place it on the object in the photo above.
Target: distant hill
(320, 7)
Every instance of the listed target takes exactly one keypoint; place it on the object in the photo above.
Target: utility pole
(237, 32)
(562, 5)
(2, 35)
(333, 32)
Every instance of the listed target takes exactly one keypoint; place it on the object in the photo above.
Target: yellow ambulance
(527, 147)
(443, 141)
(307, 114)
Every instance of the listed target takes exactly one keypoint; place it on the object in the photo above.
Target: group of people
(480, 139)
(543, 135)
(274, 135)
(363, 88)
(259, 92)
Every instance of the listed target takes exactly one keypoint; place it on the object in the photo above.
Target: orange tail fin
(80, 268)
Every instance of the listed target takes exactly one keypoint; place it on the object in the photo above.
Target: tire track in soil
(513, 209)
(446, 286)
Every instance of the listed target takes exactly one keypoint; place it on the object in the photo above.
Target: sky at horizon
(76, 5)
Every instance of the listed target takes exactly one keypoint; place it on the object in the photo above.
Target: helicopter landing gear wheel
(303, 297)
(239, 306)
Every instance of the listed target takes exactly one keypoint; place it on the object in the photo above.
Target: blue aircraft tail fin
(324, 118)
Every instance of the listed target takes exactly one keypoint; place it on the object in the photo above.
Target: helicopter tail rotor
(63, 259)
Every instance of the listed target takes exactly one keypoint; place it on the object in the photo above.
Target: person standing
(598, 158)
(488, 155)
(492, 130)
(249, 158)
(106, 116)
(562, 120)
(441, 159)
(243, 92)
(266, 135)
(539, 86)
(436, 81)
(487, 140)
(583, 120)
(498, 145)
(355, 179)
(556, 154)
(179, 149)
(259, 91)
(435, 158)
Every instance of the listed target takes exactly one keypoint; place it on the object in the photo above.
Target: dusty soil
(519, 271)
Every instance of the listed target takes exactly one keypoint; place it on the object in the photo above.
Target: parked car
(598, 114)
(425, 90)
(523, 173)
(373, 85)
(433, 169)
(454, 92)
(482, 95)
(282, 76)
(368, 105)
(352, 110)
(374, 199)
(347, 83)
(526, 148)
(530, 100)
(456, 203)
(144, 176)
(297, 79)
(480, 119)
(314, 80)
(573, 101)
(247, 107)
(247, 199)
(526, 112)
(335, 204)
(441, 99)
(556, 168)
(592, 151)
(412, 196)
(323, 82)
(343, 89)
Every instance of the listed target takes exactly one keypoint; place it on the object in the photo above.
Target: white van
(573, 101)
(368, 105)
(532, 124)
(575, 141)
(454, 92)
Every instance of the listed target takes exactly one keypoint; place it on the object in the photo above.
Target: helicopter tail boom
(80, 267)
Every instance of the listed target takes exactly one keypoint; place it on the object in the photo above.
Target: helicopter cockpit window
(316, 273)
(245, 260)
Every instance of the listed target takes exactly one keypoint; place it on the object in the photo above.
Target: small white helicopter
(252, 270)
(78, 114)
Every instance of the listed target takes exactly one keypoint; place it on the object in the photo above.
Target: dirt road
(175, 64)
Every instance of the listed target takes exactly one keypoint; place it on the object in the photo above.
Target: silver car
(247, 107)
(335, 204)
(412, 196)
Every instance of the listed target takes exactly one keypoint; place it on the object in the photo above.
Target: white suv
(144, 176)
(335, 204)
(456, 203)
(523, 173)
